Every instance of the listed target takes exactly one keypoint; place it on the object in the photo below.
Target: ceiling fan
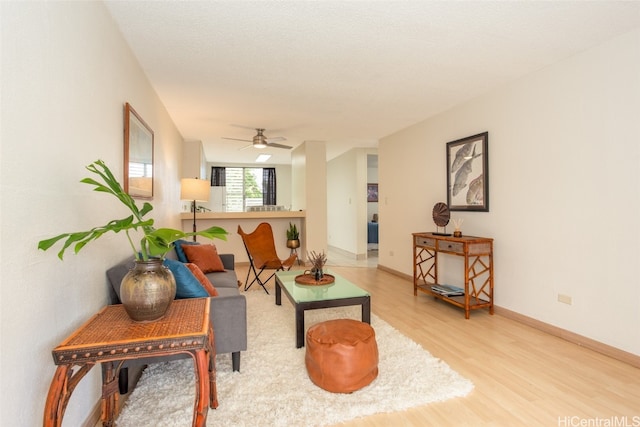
(261, 141)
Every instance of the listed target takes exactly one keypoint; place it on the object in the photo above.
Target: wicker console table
(110, 337)
(478, 268)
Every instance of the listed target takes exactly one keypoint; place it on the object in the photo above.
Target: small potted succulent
(293, 237)
(148, 289)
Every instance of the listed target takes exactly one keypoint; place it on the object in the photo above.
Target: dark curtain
(269, 186)
(218, 177)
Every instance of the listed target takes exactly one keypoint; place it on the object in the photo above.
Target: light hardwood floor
(522, 376)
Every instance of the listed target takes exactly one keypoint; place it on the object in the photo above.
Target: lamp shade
(194, 189)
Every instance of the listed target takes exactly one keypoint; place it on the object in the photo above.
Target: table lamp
(196, 190)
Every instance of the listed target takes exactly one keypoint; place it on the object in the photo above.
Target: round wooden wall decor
(441, 214)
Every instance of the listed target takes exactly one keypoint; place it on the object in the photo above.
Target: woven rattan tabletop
(112, 327)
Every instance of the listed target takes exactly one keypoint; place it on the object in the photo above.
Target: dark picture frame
(468, 173)
(372, 192)
(138, 155)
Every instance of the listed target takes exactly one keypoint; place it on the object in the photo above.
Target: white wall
(342, 210)
(347, 209)
(309, 192)
(194, 163)
(564, 190)
(66, 74)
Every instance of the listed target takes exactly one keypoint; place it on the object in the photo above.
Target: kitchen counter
(242, 215)
(230, 221)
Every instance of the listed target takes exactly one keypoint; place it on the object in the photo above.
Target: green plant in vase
(149, 253)
(293, 237)
(156, 242)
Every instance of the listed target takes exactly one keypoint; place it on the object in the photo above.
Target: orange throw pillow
(204, 280)
(204, 256)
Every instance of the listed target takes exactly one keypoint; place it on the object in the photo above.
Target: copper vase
(147, 290)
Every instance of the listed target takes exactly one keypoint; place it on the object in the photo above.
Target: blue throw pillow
(187, 286)
(178, 246)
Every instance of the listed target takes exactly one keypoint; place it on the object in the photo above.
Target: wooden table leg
(366, 310)
(299, 326)
(54, 410)
(62, 385)
(110, 393)
(201, 408)
(278, 293)
(213, 388)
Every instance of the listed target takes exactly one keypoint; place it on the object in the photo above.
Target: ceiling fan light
(258, 141)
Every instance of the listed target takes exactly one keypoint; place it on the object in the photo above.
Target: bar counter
(242, 215)
(230, 221)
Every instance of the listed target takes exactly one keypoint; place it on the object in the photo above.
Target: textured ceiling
(344, 72)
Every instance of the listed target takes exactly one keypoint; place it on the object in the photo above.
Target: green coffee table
(309, 297)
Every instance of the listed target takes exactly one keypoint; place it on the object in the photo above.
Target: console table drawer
(480, 248)
(425, 241)
(456, 247)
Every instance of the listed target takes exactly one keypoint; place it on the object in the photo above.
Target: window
(244, 188)
(140, 170)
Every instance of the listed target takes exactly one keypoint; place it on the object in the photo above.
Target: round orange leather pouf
(341, 355)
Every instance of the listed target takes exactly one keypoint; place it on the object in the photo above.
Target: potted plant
(148, 289)
(293, 236)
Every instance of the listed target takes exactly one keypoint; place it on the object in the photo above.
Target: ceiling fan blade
(242, 126)
(245, 147)
(276, 139)
(279, 146)
(237, 139)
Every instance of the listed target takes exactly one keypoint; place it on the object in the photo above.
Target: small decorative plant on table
(318, 260)
(148, 289)
(316, 275)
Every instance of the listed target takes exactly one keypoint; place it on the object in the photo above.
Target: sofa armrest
(229, 261)
(115, 275)
(229, 319)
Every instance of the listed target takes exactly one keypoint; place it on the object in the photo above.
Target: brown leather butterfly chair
(262, 254)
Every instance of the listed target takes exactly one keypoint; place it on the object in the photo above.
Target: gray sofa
(228, 312)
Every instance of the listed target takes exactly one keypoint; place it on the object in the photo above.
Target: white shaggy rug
(272, 387)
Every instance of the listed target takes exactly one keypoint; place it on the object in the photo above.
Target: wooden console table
(111, 337)
(478, 268)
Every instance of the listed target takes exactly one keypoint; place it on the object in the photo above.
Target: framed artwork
(138, 155)
(468, 173)
(372, 192)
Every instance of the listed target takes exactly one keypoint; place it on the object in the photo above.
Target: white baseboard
(347, 254)
(607, 350)
(94, 416)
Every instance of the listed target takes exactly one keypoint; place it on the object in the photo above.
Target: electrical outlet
(391, 253)
(565, 299)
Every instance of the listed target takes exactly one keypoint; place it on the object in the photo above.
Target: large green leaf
(156, 242)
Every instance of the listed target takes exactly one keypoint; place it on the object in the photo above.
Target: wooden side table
(478, 268)
(110, 337)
